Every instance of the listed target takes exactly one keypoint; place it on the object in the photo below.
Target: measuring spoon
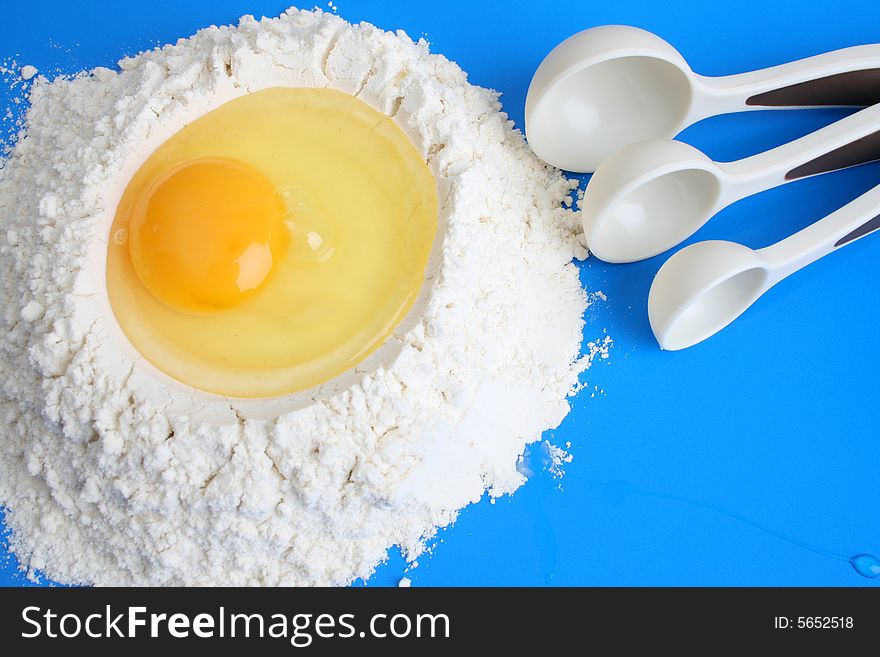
(610, 86)
(649, 196)
(705, 286)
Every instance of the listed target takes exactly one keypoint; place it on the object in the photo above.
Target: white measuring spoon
(705, 286)
(610, 86)
(649, 196)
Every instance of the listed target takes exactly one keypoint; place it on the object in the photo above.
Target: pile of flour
(114, 475)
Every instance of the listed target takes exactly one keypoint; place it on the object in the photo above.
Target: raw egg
(273, 243)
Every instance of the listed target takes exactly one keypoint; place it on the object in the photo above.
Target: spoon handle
(853, 221)
(851, 141)
(849, 77)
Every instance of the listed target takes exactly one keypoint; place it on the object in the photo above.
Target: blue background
(689, 468)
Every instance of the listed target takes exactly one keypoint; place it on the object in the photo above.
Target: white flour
(28, 71)
(557, 459)
(112, 474)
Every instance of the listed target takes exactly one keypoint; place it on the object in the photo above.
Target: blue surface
(691, 468)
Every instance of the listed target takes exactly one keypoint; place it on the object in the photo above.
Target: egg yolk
(207, 235)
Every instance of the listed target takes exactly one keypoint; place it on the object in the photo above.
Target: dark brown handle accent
(855, 89)
(867, 227)
(860, 151)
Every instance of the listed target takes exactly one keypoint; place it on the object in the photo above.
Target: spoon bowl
(648, 197)
(602, 88)
(703, 288)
